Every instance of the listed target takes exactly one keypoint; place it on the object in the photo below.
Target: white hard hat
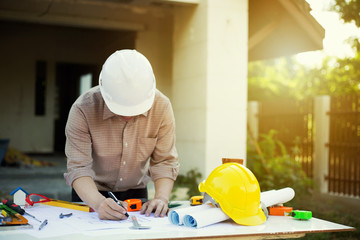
(127, 83)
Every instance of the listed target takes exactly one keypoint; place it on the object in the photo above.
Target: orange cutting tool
(279, 210)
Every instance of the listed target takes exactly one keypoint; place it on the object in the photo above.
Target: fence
(344, 146)
(326, 133)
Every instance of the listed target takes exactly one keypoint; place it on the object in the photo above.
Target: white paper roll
(205, 218)
(275, 197)
(176, 216)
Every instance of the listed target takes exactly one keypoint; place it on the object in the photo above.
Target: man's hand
(106, 207)
(110, 210)
(157, 205)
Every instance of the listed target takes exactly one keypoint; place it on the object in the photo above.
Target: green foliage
(286, 78)
(348, 10)
(190, 180)
(284, 170)
(272, 78)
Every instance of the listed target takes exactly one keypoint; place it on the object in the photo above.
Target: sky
(336, 33)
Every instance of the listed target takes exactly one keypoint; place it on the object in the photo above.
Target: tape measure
(196, 200)
(133, 205)
(301, 215)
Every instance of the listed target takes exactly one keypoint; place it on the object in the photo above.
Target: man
(119, 135)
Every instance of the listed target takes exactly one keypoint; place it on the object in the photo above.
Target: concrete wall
(189, 83)
(156, 43)
(210, 83)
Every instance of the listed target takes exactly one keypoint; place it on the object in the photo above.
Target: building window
(85, 83)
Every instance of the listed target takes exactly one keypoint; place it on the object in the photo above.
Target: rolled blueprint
(176, 216)
(275, 197)
(207, 214)
(205, 218)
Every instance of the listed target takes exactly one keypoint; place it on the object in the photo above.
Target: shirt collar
(107, 113)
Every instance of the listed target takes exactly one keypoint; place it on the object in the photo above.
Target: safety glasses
(33, 198)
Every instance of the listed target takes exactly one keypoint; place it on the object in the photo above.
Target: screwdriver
(9, 211)
(17, 208)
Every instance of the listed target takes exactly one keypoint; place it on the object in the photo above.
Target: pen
(43, 224)
(117, 201)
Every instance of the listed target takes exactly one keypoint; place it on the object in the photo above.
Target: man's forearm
(163, 188)
(86, 189)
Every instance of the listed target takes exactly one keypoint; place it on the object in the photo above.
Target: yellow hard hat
(237, 191)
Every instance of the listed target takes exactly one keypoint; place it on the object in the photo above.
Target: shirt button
(124, 163)
(120, 179)
(126, 144)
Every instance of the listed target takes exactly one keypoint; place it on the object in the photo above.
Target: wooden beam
(74, 21)
(306, 21)
(179, 2)
(262, 33)
(130, 3)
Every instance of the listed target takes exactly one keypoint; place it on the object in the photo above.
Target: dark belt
(140, 193)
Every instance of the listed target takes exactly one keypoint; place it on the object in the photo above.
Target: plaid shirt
(118, 154)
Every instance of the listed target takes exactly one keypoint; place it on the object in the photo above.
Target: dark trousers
(141, 194)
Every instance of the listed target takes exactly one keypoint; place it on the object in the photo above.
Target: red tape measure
(133, 205)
